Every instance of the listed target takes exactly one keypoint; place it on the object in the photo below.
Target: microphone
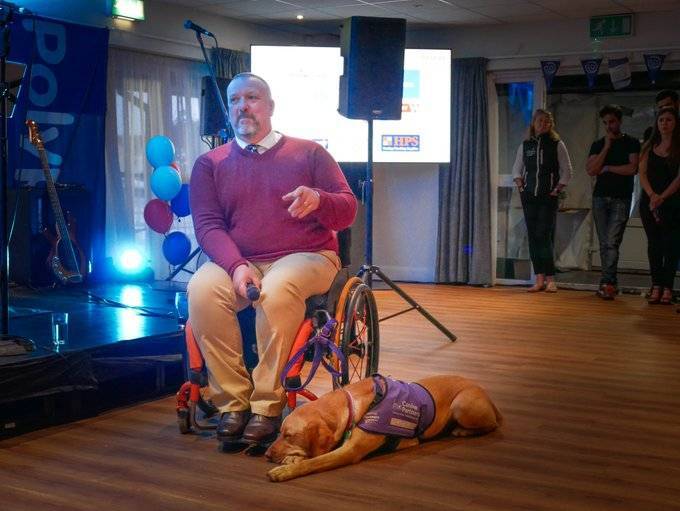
(190, 25)
(253, 292)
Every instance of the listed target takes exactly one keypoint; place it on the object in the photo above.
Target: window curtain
(229, 63)
(148, 95)
(464, 233)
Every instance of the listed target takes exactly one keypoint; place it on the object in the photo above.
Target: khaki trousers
(286, 284)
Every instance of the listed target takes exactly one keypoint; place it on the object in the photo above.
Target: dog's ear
(322, 441)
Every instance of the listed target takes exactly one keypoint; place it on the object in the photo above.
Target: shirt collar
(269, 141)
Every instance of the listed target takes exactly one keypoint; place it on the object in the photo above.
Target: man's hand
(305, 200)
(242, 276)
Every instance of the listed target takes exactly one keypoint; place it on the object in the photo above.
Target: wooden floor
(590, 393)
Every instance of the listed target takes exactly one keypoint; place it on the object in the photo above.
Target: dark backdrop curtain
(464, 234)
(229, 63)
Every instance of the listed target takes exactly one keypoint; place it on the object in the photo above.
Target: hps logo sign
(400, 142)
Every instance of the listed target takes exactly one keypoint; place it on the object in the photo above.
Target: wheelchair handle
(253, 292)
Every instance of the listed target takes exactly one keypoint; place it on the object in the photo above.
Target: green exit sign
(617, 25)
(132, 10)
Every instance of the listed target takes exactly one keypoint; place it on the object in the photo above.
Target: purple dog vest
(405, 409)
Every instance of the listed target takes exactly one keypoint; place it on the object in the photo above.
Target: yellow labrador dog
(373, 411)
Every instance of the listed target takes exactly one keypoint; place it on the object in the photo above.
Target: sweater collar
(266, 143)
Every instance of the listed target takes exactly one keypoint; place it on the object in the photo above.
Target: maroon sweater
(237, 207)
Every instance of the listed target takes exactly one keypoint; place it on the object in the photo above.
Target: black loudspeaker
(211, 113)
(28, 248)
(372, 83)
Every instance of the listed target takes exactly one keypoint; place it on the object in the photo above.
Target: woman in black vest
(541, 171)
(660, 203)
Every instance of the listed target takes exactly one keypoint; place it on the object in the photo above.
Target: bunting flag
(549, 68)
(591, 68)
(619, 72)
(654, 63)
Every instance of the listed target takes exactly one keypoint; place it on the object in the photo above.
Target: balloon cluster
(173, 198)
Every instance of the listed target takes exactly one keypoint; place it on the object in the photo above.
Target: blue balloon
(176, 247)
(180, 204)
(160, 151)
(165, 182)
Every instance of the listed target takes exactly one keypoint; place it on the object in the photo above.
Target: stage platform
(124, 345)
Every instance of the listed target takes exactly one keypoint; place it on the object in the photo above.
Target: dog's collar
(350, 418)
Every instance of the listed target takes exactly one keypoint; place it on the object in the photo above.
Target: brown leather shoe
(232, 424)
(261, 429)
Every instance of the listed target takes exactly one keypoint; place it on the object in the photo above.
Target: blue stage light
(129, 261)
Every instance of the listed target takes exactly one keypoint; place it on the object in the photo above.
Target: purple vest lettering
(406, 409)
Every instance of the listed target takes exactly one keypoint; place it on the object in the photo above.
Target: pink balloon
(158, 215)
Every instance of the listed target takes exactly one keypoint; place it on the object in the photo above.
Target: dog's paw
(280, 473)
(289, 460)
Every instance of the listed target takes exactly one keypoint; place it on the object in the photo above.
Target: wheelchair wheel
(359, 337)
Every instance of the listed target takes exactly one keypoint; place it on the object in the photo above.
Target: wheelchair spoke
(360, 335)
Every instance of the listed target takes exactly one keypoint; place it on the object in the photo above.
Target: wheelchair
(349, 301)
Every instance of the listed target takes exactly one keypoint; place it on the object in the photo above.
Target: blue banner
(654, 63)
(64, 91)
(549, 68)
(591, 67)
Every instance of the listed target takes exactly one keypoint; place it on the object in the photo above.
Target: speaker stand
(9, 344)
(367, 271)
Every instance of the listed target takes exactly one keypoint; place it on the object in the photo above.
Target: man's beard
(246, 129)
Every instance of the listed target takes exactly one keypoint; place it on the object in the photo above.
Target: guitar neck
(54, 198)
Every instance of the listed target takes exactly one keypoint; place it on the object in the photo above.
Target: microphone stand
(224, 132)
(224, 138)
(9, 344)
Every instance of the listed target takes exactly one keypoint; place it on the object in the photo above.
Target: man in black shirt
(613, 161)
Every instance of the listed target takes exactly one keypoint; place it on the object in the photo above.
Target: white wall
(163, 32)
(405, 220)
(520, 46)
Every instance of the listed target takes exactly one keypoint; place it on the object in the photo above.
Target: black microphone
(188, 24)
(253, 292)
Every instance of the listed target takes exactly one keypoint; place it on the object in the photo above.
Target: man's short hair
(667, 93)
(614, 110)
(253, 76)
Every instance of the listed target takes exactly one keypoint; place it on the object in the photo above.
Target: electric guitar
(66, 258)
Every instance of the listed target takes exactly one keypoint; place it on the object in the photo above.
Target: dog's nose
(268, 454)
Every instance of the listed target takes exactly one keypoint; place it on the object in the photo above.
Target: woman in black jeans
(541, 170)
(660, 203)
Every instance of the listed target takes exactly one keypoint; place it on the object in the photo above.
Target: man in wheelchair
(266, 208)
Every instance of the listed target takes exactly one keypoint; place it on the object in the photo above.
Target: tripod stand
(367, 271)
(9, 344)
